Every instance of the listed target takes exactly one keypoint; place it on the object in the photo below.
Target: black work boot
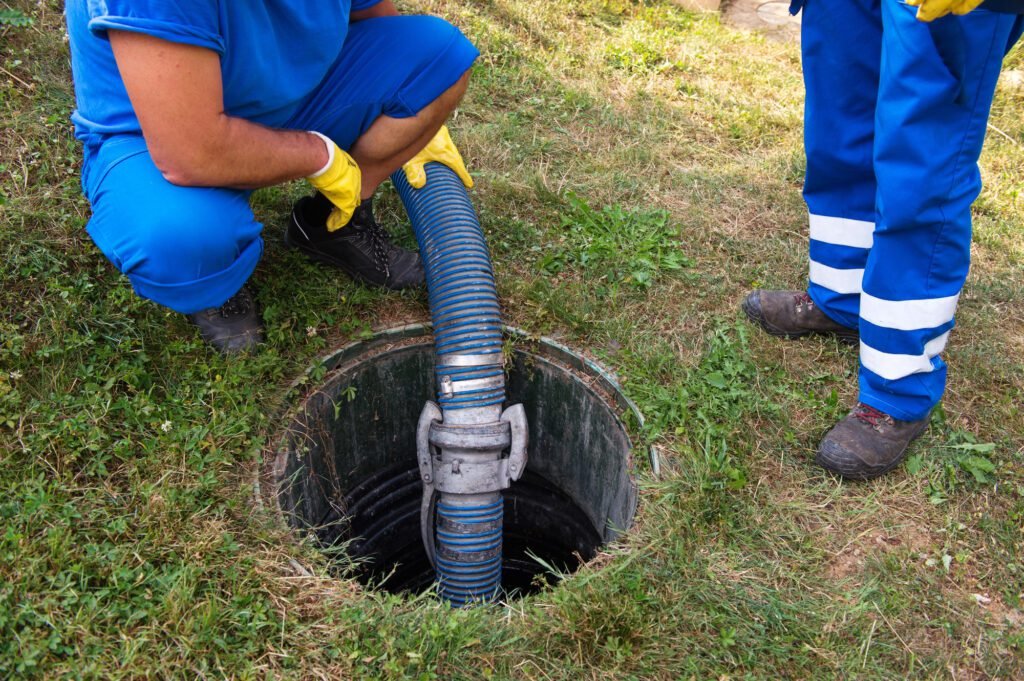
(234, 326)
(867, 443)
(362, 248)
(792, 314)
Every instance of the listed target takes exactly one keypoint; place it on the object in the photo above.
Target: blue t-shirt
(273, 53)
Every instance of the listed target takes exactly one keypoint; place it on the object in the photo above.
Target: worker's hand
(442, 150)
(928, 10)
(341, 182)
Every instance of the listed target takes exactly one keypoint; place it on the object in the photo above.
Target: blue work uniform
(293, 64)
(895, 117)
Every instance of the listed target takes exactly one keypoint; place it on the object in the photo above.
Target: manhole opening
(345, 468)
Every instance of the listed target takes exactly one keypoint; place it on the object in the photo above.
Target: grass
(638, 169)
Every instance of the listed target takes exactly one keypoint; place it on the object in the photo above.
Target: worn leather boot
(867, 443)
(362, 248)
(792, 314)
(234, 326)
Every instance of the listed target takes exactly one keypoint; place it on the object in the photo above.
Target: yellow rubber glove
(340, 181)
(929, 10)
(442, 150)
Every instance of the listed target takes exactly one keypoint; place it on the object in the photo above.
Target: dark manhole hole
(345, 467)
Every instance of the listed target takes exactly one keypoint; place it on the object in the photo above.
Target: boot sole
(849, 338)
(320, 257)
(836, 467)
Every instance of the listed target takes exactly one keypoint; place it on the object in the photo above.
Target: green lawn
(638, 170)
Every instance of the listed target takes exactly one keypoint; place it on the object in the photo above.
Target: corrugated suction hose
(462, 439)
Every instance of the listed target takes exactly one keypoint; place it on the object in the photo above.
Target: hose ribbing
(468, 345)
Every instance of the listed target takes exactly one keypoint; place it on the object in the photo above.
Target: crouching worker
(184, 108)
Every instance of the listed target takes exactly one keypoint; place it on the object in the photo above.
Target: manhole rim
(264, 485)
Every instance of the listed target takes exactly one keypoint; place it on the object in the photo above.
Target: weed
(960, 462)
(13, 17)
(637, 57)
(614, 245)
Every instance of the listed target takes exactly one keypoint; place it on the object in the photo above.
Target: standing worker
(897, 103)
(184, 108)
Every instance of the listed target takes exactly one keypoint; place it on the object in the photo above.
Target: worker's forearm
(243, 155)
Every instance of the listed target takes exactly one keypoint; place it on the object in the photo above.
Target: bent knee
(421, 41)
(438, 33)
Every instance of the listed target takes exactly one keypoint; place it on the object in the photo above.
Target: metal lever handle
(430, 415)
(515, 416)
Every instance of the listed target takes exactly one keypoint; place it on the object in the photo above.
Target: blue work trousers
(895, 117)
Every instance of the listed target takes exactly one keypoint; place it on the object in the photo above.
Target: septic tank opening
(345, 469)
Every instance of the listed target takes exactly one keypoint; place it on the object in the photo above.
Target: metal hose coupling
(464, 468)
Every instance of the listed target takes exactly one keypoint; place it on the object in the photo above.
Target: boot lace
(803, 299)
(238, 304)
(381, 242)
(871, 416)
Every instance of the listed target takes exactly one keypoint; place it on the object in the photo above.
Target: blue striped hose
(468, 547)
(467, 323)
